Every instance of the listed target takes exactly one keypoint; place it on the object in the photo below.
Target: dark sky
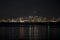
(16, 8)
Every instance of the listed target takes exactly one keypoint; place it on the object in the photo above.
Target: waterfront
(29, 31)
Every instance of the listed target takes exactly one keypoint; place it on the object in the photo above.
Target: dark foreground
(30, 31)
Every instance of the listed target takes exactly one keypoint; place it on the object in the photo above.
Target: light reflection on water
(31, 32)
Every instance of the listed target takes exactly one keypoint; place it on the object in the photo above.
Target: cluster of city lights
(30, 19)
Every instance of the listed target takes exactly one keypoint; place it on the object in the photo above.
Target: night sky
(16, 8)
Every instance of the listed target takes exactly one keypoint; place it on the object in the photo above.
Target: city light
(31, 19)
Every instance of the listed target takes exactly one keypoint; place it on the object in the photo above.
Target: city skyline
(31, 19)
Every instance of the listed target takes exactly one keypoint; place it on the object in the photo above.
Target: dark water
(17, 31)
